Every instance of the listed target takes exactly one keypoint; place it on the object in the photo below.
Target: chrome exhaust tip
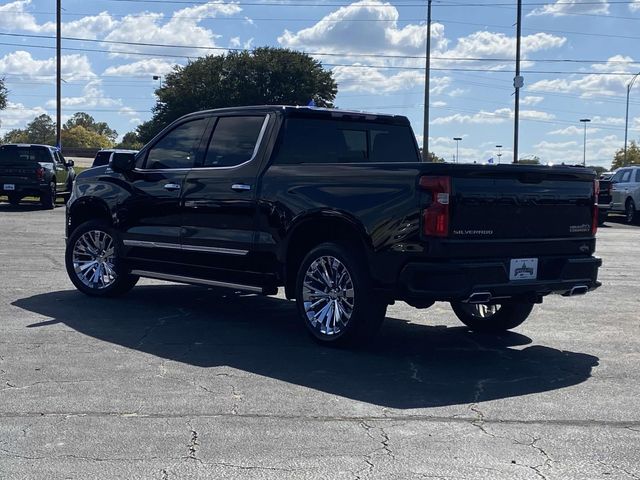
(479, 297)
(577, 290)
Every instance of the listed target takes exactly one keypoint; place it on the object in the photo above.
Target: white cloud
(370, 79)
(531, 100)
(635, 6)
(21, 64)
(16, 115)
(183, 28)
(152, 66)
(497, 116)
(600, 151)
(367, 26)
(132, 115)
(564, 7)
(89, 27)
(607, 82)
(573, 130)
(93, 96)
(15, 17)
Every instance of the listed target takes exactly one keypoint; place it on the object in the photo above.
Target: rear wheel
(335, 297)
(630, 211)
(492, 318)
(94, 262)
(14, 199)
(48, 198)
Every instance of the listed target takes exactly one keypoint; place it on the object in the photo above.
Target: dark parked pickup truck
(337, 208)
(37, 170)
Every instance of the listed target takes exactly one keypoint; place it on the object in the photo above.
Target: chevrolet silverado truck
(337, 208)
(34, 170)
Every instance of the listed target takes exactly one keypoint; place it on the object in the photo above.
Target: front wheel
(335, 297)
(492, 318)
(630, 212)
(93, 261)
(48, 197)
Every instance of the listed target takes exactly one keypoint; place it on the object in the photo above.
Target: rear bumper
(457, 281)
(22, 189)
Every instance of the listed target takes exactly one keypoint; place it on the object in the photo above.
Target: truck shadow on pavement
(408, 366)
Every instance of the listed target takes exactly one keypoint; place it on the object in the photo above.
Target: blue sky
(578, 57)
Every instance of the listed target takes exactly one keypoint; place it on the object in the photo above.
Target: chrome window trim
(189, 248)
(193, 280)
(253, 156)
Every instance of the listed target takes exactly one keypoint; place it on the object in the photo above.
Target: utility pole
(58, 72)
(499, 147)
(584, 154)
(427, 82)
(518, 83)
(626, 123)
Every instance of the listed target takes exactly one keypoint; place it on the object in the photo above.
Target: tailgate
(520, 202)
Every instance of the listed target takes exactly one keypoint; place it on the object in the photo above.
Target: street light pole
(427, 86)
(518, 83)
(58, 72)
(584, 155)
(499, 147)
(626, 122)
(457, 139)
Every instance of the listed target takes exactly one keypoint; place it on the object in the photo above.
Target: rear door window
(307, 140)
(234, 141)
(637, 175)
(626, 176)
(102, 158)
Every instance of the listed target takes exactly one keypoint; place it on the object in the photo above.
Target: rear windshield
(17, 154)
(307, 140)
(102, 158)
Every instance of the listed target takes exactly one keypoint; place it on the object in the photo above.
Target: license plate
(523, 269)
(8, 186)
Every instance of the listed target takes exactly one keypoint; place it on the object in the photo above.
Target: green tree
(3, 95)
(40, 130)
(130, 141)
(633, 156)
(264, 76)
(82, 119)
(81, 137)
(532, 160)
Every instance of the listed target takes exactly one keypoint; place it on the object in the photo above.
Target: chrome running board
(196, 281)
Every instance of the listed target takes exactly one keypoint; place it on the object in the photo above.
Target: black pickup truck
(335, 207)
(36, 170)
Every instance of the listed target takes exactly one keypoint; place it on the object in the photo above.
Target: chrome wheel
(480, 310)
(631, 211)
(328, 295)
(93, 259)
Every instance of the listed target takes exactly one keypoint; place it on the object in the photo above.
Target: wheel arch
(85, 209)
(314, 229)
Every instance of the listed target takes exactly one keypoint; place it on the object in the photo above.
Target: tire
(48, 198)
(602, 217)
(347, 288)
(505, 317)
(630, 212)
(14, 200)
(97, 241)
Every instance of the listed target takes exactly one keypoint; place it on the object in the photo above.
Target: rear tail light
(40, 173)
(435, 218)
(594, 216)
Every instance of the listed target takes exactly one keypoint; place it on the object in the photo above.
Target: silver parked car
(625, 192)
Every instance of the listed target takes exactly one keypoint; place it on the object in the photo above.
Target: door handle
(240, 187)
(172, 187)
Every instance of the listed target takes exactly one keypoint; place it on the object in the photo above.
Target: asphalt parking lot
(181, 382)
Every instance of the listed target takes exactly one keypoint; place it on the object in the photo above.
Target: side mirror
(70, 163)
(122, 161)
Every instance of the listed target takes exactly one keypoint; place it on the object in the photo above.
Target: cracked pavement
(180, 382)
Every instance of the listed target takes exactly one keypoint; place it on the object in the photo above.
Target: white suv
(625, 192)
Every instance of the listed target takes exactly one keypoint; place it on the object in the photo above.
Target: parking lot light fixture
(457, 139)
(584, 154)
